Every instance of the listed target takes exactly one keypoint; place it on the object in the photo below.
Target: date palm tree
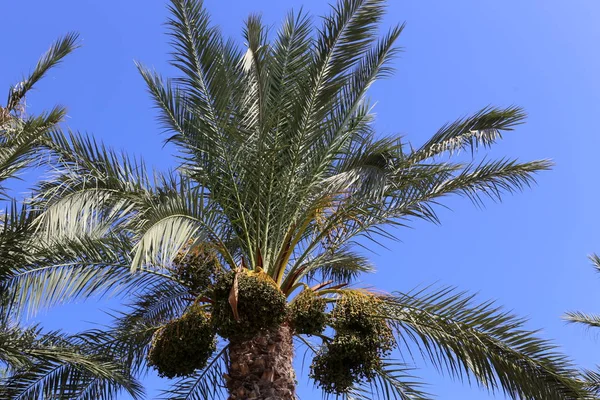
(256, 236)
(38, 364)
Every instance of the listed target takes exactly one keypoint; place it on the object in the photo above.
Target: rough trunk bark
(261, 368)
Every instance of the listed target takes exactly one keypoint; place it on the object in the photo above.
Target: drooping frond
(205, 384)
(129, 335)
(481, 342)
(183, 212)
(94, 187)
(40, 365)
(128, 342)
(13, 341)
(48, 365)
(75, 269)
(394, 380)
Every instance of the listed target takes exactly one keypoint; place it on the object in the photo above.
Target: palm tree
(591, 378)
(39, 364)
(255, 237)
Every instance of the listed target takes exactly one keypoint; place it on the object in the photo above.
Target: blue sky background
(528, 253)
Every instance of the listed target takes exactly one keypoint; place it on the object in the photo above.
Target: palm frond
(16, 231)
(75, 269)
(21, 142)
(128, 342)
(129, 335)
(288, 69)
(339, 266)
(493, 179)
(591, 381)
(481, 342)
(59, 50)
(483, 128)
(394, 380)
(203, 385)
(13, 341)
(182, 212)
(590, 320)
(63, 366)
(93, 187)
(595, 259)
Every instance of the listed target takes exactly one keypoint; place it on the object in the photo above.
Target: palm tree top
(282, 176)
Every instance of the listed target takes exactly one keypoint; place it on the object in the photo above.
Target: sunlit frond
(483, 129)
(590, 320)
(75, 269)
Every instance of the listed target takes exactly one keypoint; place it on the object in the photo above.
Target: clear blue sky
(529, 252)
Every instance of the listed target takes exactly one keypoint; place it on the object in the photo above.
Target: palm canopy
(282, 173)
(40, 364)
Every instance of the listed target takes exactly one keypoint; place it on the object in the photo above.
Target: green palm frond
(394, 381)
(21, 141)
(57, 52)
(157, 305)
(128, 342)
(14, 340)
(483, 128)
(578, 317)
(47, 365)
(480, 341)
(16, 230)
(591, 381)
(339, 266)
(590, 320)
(76, 269)
(289, 69)
(205, 384)
(20, 135)
(591, 378)
(94, 187)
(128, 337)
(183, 212)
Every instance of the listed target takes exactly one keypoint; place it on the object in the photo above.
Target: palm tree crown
(255, 236)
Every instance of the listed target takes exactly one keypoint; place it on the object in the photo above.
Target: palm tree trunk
(261, 368)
